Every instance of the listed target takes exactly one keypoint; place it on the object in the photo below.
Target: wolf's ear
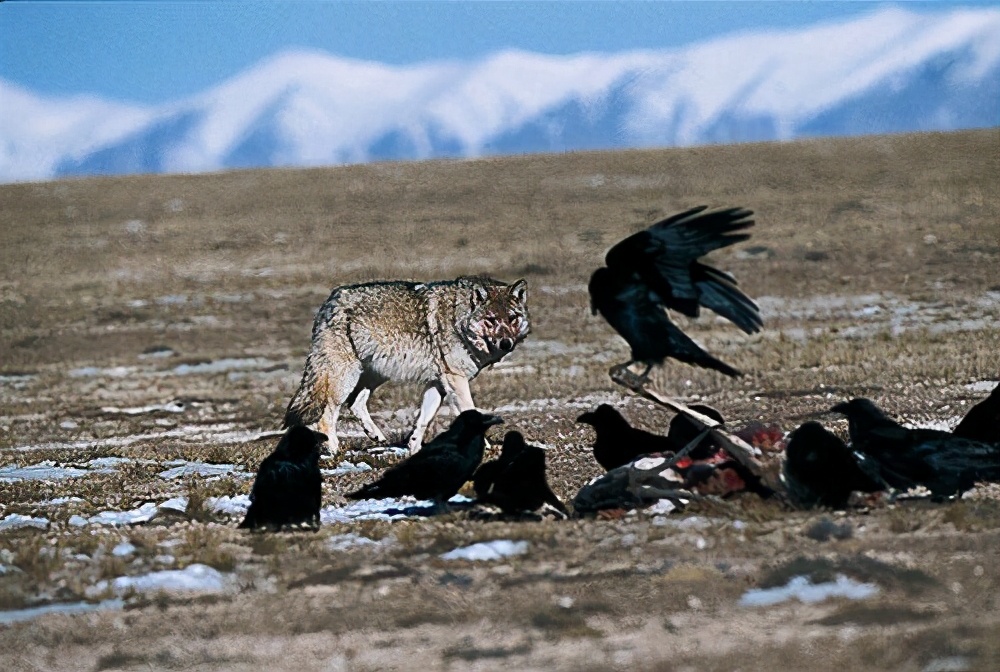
(479, 295)
(519, 290)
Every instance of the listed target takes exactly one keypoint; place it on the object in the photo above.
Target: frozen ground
(145, 372)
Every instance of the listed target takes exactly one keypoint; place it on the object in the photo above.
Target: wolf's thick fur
(441, 334)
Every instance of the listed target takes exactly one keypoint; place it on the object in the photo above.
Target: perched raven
(287, 491)
(820, 470)
(657, 269)
(441, 467)
(940, 461)
(515, 481)
(619, 443)
(982, 422)
(683, 430)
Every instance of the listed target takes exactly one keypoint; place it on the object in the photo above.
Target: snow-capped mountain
(890, 71)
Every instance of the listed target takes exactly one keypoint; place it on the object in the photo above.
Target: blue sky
(151, 51)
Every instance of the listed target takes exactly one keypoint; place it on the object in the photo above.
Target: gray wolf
(442, 467)
(439, 334)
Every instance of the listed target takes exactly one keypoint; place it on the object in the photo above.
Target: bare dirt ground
(163, 321)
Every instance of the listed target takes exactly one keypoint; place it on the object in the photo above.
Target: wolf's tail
(303, 409)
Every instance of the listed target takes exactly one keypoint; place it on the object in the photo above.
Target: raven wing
(664, 256)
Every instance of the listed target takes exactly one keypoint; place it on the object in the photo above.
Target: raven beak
(489, 420)
(585, 417)
(839, 408)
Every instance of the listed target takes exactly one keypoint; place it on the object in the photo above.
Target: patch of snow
(940, 425)
(236, 505)
(185, 468)
(68, 424)
(157, 353)
(983, 385)
(389, 508)
(115, 518)
(123, 550)
(78, 521)
(346, 467)
(799, 588)
(343, 542)
(169, 407)
(93, 371)
(222, 366)
(216, 433)
(20, 615)
(43, 471)
(193, 578)
(176, 504)
(106, 465)
(487, 550)
(59, 501)
(16, 521)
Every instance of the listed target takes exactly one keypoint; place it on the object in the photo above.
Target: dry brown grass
(238, 273)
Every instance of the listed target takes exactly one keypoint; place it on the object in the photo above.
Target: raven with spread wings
(658, 269)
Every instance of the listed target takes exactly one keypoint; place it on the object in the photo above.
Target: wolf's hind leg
(334, 388)
(428, 409)
(328, 425)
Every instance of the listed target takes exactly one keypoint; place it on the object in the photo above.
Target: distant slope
(890, 71)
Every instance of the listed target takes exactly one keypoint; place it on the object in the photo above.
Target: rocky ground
(152, 328)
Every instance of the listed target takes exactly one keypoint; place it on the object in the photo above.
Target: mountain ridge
(890, 71)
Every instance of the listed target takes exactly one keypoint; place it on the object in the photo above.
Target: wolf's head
(496, 318)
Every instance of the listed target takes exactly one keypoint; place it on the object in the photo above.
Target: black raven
(820, 470)
(619, 443)
(940, 461)
(982, 422)
(683, 430)
(441, 467)
(287, 491)
(515, 481)
(657, 269)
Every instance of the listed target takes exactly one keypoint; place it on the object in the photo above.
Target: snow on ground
(180, 468)
(983, 385)
(343, 542)
(215, 433)
(18, 615)
(799, 588)
(488, 550)
(346, 467)
(169, 407)
(193, 578)
(43, 471)
(16, 521)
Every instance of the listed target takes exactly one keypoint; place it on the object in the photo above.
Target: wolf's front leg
(462, 394)
(428, 409)
(459, 385)
(360, 410)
